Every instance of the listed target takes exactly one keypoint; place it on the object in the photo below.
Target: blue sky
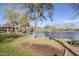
(62, 14)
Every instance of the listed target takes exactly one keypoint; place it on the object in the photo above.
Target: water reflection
(66, 35)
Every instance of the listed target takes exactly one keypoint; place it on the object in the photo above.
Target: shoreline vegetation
(74, 43)
(62, 31)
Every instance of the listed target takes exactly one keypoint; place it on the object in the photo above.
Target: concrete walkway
(69, 49)
(68, 53)
(72, 50)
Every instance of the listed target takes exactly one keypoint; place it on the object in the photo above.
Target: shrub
(74, 42)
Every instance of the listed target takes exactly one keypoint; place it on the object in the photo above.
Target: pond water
(65, 35)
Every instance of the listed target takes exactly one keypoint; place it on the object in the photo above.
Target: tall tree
(25, 22)
(40, 11)
(75, 8)
(13, 17)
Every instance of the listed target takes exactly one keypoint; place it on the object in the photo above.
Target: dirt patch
(42, 49)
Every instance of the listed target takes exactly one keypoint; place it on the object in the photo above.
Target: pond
(65, 35)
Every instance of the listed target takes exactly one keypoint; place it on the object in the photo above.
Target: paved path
(68, 53)
(69, 49)
(72, 50)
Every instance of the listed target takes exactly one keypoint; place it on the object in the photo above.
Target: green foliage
(33, 11)
(9, 47)
(75, 7)
(25, 22)
(17, 18)
(37, 10)
(74, 42)
(76, 30)
(13, 16)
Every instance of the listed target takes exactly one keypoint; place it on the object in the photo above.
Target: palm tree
(37, 12)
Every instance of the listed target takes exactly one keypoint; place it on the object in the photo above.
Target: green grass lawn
(8, 45)
(11, 44)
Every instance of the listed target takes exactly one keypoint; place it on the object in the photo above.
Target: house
(9, 28)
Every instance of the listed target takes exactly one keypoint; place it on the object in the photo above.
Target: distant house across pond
(9, 28)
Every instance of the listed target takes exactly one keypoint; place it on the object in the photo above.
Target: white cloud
(71, 21)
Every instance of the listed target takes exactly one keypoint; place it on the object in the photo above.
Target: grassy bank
(18, 45)
(8, 45)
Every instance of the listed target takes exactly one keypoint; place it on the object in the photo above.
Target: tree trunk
(35, 29)
(25, 29)
(15, 29)
(7, 30)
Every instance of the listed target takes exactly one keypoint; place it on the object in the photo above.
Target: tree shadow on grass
(5, 38)
(43, 49)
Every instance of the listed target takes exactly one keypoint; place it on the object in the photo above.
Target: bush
(74, 42)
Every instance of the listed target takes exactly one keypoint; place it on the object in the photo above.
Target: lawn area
(8, 45)
(19, 45)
